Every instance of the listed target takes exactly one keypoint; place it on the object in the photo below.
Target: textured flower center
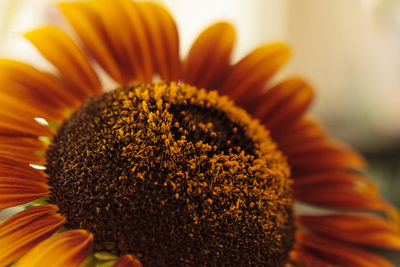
(175, 176)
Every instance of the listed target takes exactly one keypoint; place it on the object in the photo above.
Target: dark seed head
(175, 176)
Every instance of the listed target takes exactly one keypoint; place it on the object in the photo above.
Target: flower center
(174, 175)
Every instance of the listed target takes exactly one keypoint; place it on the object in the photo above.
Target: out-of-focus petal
(58, 48)
(127, 38)
(305, 129)
(363, 230)
(127, 261)
(339, 253)
(209, 56)
(248, 77)
(323, 155)
(306, 258)
(163, 39)
(68, 248)
(84, 17)
(284, 104)
(23, 231)
(36, 88)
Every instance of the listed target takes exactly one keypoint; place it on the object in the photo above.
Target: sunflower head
(176, 169)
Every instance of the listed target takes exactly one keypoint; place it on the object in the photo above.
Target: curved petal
(127, 261)
(23, 231)
(68, 248)
(163, 39)
(36, 88)
(208, 58)
(339, 253)
(17, 106)
(248, 77)
(58, 48)
(283, 104)
(85, 19)
(364, 230)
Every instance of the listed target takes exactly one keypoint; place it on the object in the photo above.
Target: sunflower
(193, 162)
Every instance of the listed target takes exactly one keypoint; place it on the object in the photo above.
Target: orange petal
(115, 31)
(57, 47)
(306, 258)
(326, 155)
(28, 157)
(127, 261)
(248, 77)
(164, 40)
(84, 17)
(209, 56)
(340, 196)
(12, 168)
(343, 201)
(364, 230)
(23, 231)
(13, 125)
(15, 190)
(22, 143)
(284, 104)
(305, 129)
(68, 248)
(36, 88)
(314, 146)
(127, 38)
(339, 181)
(339, 253)
(12, 105)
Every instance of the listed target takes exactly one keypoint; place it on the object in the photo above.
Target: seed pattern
(174, 175)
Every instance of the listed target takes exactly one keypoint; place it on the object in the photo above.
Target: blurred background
(349, 51)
